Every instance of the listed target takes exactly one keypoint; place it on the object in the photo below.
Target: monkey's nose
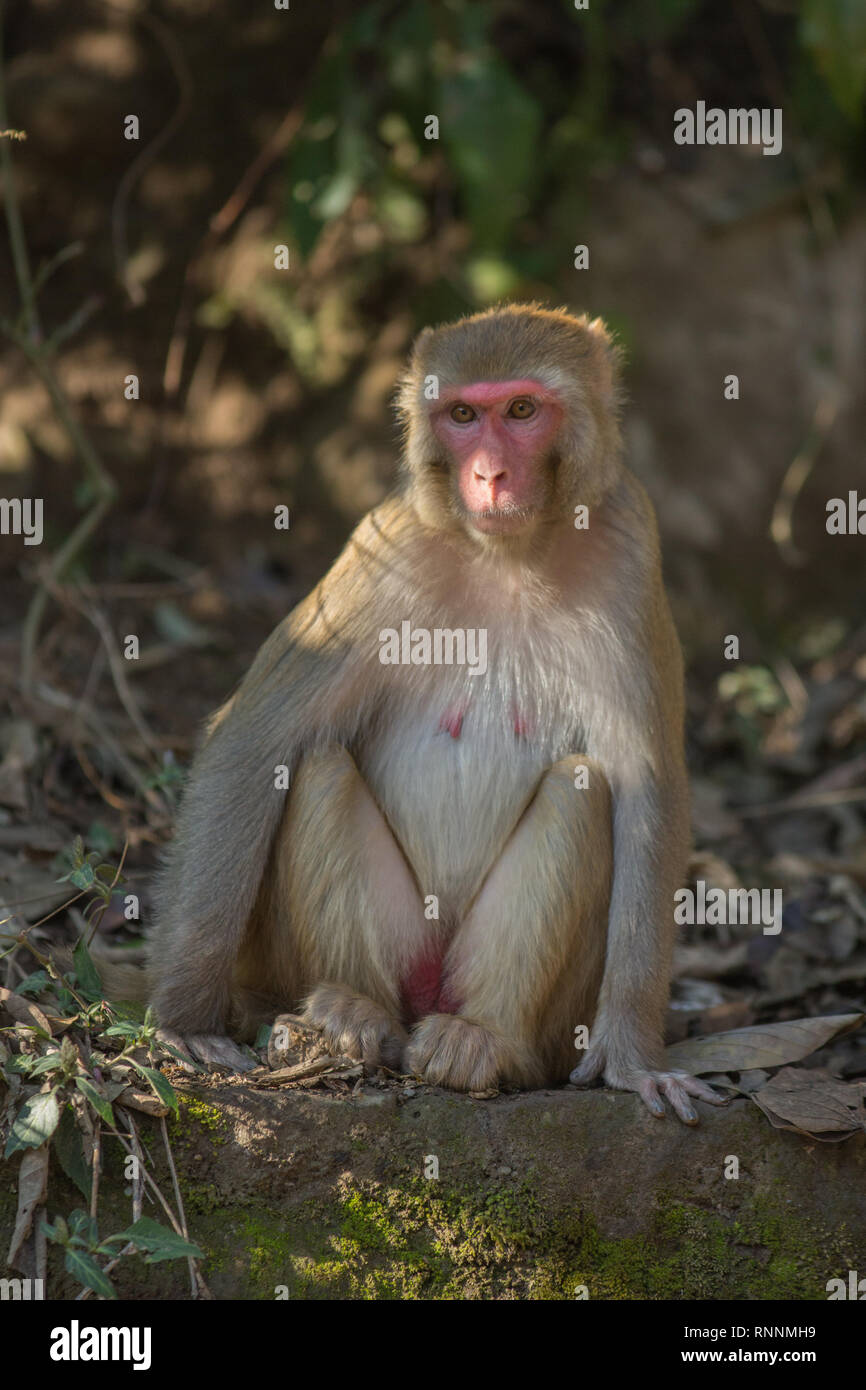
(490, 479)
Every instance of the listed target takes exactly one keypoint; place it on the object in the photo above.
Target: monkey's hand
(678, 1086)
(215, 1053)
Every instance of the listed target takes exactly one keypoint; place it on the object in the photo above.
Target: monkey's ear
(421, 343)
(607, 358)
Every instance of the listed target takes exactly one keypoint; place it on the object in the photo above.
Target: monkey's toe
(210, 1051)
(354, 1026)
(447, 1050)
(218, 1053)
(677, 1086)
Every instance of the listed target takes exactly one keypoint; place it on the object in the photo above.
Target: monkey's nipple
(451, 723)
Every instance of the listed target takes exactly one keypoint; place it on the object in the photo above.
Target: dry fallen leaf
(23, 1011)
(813, 1102)
(764, 1045)
(710, 961)
(293, 1041)
(32, 1187)
(29, 889)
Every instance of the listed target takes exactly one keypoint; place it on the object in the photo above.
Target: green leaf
(49, 1061)
(834, 32)
(58, 1233)
(69, 1148)
(35, 1122)
(175, 627)
(83, 1227)
(160, 1084)
(83, 877)
(128, 1010)
(87, 978)
(101, 837)
(490, 127)
(20, 1063)
(157, 1242)
(34, 984)
(84, 1268)
(122, 1030)
(99, 1103)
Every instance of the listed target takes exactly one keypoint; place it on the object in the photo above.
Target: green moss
(421, 1240)
(519, 1234)
(208, 1116)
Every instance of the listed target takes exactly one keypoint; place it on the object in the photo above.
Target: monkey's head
(511, 420)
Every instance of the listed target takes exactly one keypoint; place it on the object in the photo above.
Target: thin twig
(20, 259)
(183, 78)
(219, 225)
(152, 1183)
(797, 474)
(105, 739)
(95, 1163)
(179, 1199)
(137, 1186)
(98, 620)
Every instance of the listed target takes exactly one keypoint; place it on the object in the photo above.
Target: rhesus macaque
(470, 861)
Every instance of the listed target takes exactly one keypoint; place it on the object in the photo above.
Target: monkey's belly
(452, 797)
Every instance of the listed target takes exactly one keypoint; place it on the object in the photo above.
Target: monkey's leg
(526, 964)
(345, 918)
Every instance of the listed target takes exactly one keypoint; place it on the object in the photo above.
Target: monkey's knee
(322, 807)
(580, 772)
(323, 774)
(575, 794)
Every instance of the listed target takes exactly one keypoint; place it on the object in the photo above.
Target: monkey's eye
(462, 414)
(522, 409)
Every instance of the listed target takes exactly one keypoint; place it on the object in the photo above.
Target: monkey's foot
(214, 1051)
(676, 1085)
(354, 1026)
(447, 1050)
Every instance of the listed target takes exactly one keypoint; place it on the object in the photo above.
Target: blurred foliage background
(258, 386)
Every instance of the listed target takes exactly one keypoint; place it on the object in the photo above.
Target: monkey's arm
(314, 679)
(641, 751)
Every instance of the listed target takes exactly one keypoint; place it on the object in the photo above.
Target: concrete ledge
(538, 1194)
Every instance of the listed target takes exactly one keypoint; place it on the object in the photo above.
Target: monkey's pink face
(499, 435)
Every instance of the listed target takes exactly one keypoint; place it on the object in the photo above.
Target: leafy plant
(80, 1240)
(61, 1094)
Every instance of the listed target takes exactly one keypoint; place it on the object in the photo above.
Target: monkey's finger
(649, 1094)
(215, 1052)
(678, 1097)
(701, 1090)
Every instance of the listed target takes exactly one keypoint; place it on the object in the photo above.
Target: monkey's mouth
(501, 521)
